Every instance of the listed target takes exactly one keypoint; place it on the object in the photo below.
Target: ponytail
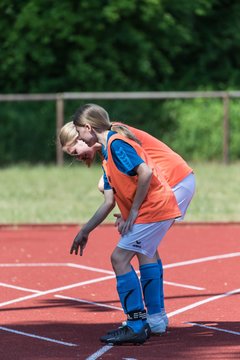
(123, 130)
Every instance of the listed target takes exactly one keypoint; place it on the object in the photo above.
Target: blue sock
(130, 295)
(150, 279)
(161, 283)
(145, 319)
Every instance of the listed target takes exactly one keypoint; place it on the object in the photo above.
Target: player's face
(87, 134)
(82, 152)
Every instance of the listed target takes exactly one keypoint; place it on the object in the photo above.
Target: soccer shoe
(123, 335)
(156, 323)
(124, 323)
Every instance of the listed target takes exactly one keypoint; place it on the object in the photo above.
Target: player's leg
(163, 311)
(130, 295)
(148, 238)
(151, 284)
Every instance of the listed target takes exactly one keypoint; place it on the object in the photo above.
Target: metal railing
(59, 98)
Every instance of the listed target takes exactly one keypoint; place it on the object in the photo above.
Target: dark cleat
(146, 328)
(123, 335)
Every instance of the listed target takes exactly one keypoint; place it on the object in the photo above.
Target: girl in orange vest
(176, 171)
(148, 209)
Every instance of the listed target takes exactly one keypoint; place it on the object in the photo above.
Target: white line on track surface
(99, 352)
(183, 285)
(173, 313)
(23, 298)
(72, 265)
(201, 302)
(167, 266)
(196, 261)
(214, 328)
(198, 303)
(104, 349)
(176, 312)
(32, 264)
(36, 336)
(83, 267)
(89, 302)
(18, 288)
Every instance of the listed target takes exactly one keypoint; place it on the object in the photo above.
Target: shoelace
(120, 331)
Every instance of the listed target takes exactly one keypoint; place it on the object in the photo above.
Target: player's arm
(81, 239)
(129, 162)
(144, 173)
(101, 184)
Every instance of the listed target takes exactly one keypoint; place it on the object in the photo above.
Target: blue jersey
(125, 158)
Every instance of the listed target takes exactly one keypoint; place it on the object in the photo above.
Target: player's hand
(119, 223)
(79, 242)
(127, 226)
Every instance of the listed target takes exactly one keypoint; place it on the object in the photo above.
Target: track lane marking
(15, 287)
(72, 265)
(183, 263)
(167, 266)
(90, 268)
(66, 287)
(31, 264)
(199, 260)
(36, 336)
(99, 352)
(88, 302)
(183, 285)
(214, 328)
(201, 302)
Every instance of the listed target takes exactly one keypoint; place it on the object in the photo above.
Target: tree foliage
(114, 45)
(118, 45)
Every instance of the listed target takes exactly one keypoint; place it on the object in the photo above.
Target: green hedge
(193, 128)
(198, 133)
(27, 132)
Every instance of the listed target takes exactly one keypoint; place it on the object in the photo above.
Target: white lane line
(183, 263)
(89, 302)
(32, 264)
(183, 285)
(36, 336)
(214, 328)
(199, 260)
(99, 353)
(83, 267)
(72, 265)
(19, 288)
(42, 293)
(91, 269)
(201, 302)
(167, 266)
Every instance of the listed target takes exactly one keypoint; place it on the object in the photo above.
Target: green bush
(234, 130)
(27, 132)
(198, 130)
(193, 128)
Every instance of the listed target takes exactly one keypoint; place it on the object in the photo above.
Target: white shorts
(184, 192)
(145, 238)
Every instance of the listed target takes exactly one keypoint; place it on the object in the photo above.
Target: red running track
(56, 306)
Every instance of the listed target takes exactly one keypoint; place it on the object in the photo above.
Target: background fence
(60, 99)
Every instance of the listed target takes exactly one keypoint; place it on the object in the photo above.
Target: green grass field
(68, 194)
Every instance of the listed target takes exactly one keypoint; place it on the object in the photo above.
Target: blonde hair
(68, 134)
(98, 118)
